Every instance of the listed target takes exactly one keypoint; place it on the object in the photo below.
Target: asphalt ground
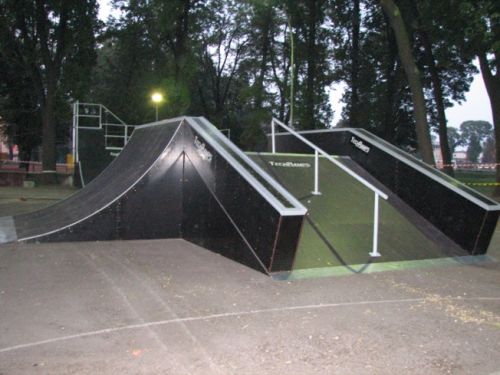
(170, 307)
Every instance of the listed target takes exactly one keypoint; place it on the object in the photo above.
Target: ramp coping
(161, 122)
(296, 207)
(416, 164)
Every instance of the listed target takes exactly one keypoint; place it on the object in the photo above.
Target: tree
(356, 25)
(261, 32)
(52, 42)
(313, 68)
(281, 65)
(454, 139)
(481, 38)
(383, 104)
(21, 122)
(413, 75)
(223, 46)
(473, 133)
(437, 88)
(474, 148)
(479, 129)
(489, 150)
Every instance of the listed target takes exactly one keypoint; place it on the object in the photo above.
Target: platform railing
(317, 152)
(115, 129)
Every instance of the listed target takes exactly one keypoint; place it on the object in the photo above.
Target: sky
(475, 107)
(105, 9)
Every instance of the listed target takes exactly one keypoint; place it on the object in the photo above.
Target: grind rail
(318, 151)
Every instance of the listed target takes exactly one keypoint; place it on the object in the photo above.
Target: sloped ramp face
(176, 179)
(101, 211)
(338, 229)
(460, 213)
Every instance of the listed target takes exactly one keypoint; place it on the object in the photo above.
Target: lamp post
(157, 98)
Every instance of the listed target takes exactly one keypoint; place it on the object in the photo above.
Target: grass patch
(478, 177)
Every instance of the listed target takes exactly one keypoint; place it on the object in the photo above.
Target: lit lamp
(157, 98)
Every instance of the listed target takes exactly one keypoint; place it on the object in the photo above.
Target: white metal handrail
(317, 151)
(215, 138)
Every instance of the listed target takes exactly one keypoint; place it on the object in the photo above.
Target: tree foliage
(51, 46)
(231, 61)
(475, 134)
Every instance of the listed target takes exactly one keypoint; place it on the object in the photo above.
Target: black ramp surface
(169, 183)
(144, 148)
(207, 224)
(272, 236)
(153, 208)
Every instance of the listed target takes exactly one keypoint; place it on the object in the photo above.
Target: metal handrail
(317, 152)
(296, 207)
(326, 155)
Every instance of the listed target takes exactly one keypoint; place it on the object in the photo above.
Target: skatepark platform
(181, 178)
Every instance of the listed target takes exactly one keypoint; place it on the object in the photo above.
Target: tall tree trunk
(390, 77)
(437, 92)
(353, 123)
(413, 76)
(311, 66)
(264, 48)
(438, 98)
(181, 34)
(48, 140)
(492, 83)
(24, 154)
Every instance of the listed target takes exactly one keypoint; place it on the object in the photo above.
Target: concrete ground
(170, 307)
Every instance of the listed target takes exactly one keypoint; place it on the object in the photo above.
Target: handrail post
(73, 133)
(316, 174)
(76, 123)
(375, 252)
(273, 140)
(100, 116)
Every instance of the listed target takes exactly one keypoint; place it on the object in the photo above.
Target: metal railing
(318, 151)
(116, 132)
(270, 189)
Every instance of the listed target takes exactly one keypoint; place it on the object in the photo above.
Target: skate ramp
(338, 230)
(177, 178)
(465, 216)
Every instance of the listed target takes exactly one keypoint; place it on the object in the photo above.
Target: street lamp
(157, 98)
